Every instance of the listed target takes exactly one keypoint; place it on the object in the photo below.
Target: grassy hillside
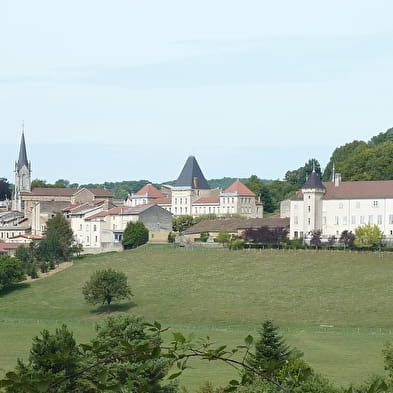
(226, 295)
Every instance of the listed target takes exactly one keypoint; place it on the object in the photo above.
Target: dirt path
(59, 268)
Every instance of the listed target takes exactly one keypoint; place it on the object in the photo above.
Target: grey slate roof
(192, 176)
(22, 153)
(313, 181)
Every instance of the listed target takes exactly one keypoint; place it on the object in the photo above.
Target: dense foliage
(367, 236)
(265, 235)
(124, 356)
(58, 243)
(5, 189)
(299, 176)
(11, 271)
(135, 235)
(359, 160)
(105, 286)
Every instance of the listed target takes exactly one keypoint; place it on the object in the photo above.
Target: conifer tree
(271, 351)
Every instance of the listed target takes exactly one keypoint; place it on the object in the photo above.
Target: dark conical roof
(313, 181)
(192, 176)
(22, 160)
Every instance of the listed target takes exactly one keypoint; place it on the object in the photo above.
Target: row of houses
(98, 221)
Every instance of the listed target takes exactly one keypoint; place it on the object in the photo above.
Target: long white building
(335, 206)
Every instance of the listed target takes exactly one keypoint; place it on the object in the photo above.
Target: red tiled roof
(71, 207)
(359, 189)
(355, 190)
(100, 192)
(239, 188)
(150, 191)
(235, 224)
(63, 191)
(207, 201)
(123, 210)
(11, 246)
(51, 191)
(163, 201)
(28, 236)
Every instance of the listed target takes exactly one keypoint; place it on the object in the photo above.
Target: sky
(127, 90)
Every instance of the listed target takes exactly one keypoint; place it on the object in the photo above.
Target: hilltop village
(98, 220)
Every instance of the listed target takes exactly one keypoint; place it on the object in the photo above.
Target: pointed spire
(192, 176)
(22, 160)
(314, 181)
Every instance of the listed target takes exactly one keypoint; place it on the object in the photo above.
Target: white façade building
(335, 206)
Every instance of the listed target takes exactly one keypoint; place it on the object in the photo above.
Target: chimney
(337, 179)
(196, 182)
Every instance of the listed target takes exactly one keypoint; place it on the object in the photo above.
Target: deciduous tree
(59, 240)
(135, 235)
(11, 271)
(105, 286)
(368, 235)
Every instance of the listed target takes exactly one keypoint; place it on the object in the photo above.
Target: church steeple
(22, 175)
(22, 151)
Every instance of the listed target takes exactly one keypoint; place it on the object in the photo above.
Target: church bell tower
(22, 175)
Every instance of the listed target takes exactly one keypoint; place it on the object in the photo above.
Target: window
(371, 219)
(309, 221)
(309, 208)
(390, 218)
(295, 220)
(295, 234)
(379, 220)
(336, 220)
(375, 203)
(95, 228)
(324, 220)
(361, 219)
(345, 220)
(80, 227)
(340, 205)
(357, 205)
(353, 220)
(96, 239)
(233, 200)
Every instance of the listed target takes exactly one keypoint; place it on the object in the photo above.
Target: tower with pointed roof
(313, 191)
(22, 175)
(189, 186)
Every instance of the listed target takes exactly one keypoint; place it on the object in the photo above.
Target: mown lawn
(334, 306)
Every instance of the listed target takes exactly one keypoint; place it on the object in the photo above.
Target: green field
(336, 307)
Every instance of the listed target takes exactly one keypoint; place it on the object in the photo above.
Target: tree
(59, 240)
(5, 189)
(271, 351)
(347, 238)
(181, 223)
(11, 271)
(124, 356)
(105, 286)
(368, 236)
(223, 237)
(265, 235)
(316, 238)
(299, 176)
(135, 235)
(255, 184)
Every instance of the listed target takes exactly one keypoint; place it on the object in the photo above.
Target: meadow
(335, 307)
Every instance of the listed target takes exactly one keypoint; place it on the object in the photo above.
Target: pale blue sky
(127, 90)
